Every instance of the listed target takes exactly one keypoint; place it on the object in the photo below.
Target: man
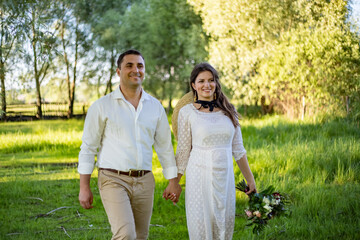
(121, 128)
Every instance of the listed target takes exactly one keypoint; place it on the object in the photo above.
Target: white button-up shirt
(122, 136)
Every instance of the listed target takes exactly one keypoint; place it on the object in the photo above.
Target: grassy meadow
(317, 164)
(48, 109)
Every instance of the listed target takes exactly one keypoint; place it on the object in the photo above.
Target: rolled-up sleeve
(91, 139)
(164, 148)
(238, 149)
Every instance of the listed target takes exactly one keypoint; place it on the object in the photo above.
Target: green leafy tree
(41, 18)
(241, 34)
(12, 30)
(298, 56)
(313, 69)
(105, 20)
(168, 33)
(170, 36)
(74, 42)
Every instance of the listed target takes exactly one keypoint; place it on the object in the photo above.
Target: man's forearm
(85, 181)
(85, 194)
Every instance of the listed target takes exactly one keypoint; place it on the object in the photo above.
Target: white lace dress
(206, 143)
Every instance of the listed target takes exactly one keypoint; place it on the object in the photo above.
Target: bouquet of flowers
(264, 206)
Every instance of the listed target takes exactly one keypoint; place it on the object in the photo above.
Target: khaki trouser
(128, 203)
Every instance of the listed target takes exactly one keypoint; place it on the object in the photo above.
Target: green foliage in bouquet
(264, 206)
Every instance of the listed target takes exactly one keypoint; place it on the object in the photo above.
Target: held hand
(173, 191)
(86, 198)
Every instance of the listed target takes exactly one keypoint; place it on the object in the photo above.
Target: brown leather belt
(131, 173)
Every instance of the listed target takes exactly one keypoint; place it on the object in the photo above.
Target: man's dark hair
(128, 52)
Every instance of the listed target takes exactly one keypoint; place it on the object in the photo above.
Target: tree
(294, 55)
(313, 69)
(73, 41)
(172, 41)
(168, 33)
(12, 29)
(41, 35)
(241, 34)
(105, 20)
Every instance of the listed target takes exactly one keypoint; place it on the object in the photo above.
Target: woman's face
(205, 86)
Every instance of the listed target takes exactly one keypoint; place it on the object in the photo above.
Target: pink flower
(258, 214)
(248, 213)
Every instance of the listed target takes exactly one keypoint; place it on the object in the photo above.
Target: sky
(356, 10)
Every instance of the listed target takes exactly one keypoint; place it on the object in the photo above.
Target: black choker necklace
(207, 104)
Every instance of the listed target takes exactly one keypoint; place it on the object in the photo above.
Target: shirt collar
(117, 94)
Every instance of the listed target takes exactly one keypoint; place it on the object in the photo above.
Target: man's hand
(173, 191)
(86, 198)
(85, 194)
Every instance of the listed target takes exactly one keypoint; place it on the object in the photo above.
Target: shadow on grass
(49, 209)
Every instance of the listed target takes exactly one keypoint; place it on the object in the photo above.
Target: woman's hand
(245, 169)
(252, 188)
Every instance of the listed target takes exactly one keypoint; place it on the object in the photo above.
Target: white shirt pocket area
(147, 127)
(113, 129)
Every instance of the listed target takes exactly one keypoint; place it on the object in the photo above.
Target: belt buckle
(139, 173)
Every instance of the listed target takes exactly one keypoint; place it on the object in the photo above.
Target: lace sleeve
(238, 149)
(184, 141)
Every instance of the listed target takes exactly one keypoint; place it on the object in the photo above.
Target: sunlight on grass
(316, 163)
(49, 140)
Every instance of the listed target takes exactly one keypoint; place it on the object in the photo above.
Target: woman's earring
(215, 96)
(195, 97)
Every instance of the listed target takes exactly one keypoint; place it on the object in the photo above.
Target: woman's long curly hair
(221, 100)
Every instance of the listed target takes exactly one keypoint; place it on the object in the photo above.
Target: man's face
(132, 71)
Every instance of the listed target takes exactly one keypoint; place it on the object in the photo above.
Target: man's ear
(118, 71)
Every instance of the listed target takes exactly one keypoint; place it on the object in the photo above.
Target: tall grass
(48, 109)
(317, 164)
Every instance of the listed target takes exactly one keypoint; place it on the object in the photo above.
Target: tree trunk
(3, 57)
(38, 98)
(347, 105)
(72, 87)
(36, 73)
(112, 71)
(98, 87)
(266, 109)
(169, 108)
(263, 108)
(163, 86)
(2, 74)
(67, 66)
(303, 108)
(3, 91)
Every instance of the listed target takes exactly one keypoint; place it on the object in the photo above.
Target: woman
(208, 135)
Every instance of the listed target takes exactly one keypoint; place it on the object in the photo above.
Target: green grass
(318, 164)
(48, 109)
